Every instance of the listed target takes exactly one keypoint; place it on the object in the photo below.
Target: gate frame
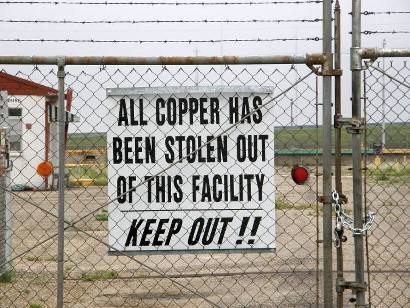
(355, 125)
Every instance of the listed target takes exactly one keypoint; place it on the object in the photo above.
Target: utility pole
(384, 103)
(293, 100)
(196, 68)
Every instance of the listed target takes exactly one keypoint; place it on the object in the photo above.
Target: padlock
(339, 226)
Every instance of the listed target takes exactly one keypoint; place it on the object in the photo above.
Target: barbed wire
(366, 13)
(163, 3)
(161, 41)
(369, 32)
(160, 21)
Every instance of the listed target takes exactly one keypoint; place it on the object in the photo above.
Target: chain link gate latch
(343, 221)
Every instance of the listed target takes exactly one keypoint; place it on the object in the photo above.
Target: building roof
(19, 86)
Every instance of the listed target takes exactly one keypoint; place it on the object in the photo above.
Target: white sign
(221, 197)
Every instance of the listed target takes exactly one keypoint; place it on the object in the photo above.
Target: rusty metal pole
(356, 68)
(61, 184)
(314, 58)
(5, 210)
(338, 144)
(327, 157)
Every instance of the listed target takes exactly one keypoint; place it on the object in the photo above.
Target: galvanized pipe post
(374, 53)
(312, 59)
(327, 156)
(356, 67)
(61, 184)
(338, 144)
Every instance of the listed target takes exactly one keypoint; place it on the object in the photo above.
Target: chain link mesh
(387, 181)
(95, 278)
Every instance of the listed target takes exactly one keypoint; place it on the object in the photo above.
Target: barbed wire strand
(213, 3)
(160, 41)
(49, 21)
(370, 13)
(370, 32)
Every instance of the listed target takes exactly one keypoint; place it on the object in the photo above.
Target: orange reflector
(300, 174)
(44, 169)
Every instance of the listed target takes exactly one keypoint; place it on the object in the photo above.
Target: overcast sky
(189, 31)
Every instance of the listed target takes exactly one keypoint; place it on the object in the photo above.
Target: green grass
(35, 305)
(390, 173)
(94, 276)
(296, 137)
(397, 136)
(281, 204)
(8, 277)
(67, 270)
(40, 258)
(84, 141)
(101, 217)
(98, 175)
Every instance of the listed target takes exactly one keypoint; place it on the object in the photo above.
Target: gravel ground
(285, 278)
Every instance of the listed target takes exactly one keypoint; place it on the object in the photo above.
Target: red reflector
(299, 174)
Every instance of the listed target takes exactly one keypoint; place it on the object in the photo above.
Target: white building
(33, 132)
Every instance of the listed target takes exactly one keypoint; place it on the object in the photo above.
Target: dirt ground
(285, 278)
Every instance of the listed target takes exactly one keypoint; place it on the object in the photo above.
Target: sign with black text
(181, 179)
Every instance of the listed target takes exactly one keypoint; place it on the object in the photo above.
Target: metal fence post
(356, 67)
(5, 216)
(327, 157)
(3, 225)
(2, 195)
(5, 219)
(61, 184)
(338, 144)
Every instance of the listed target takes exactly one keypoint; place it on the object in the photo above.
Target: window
(15, 126)
(15, 143)
(15, 112)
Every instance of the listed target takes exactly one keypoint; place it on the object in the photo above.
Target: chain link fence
(94, 275)
(387, 143)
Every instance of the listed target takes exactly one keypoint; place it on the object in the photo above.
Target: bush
(7, 277)
(396, 172)
(95, 173)
(101, 217)
(94, 276)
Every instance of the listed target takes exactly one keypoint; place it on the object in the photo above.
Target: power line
(48, 21)
(160, 41)
(163, 3)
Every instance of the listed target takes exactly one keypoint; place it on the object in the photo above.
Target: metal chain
(344, 221)
(339, 229)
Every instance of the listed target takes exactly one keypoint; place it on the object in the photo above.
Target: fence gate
(284, 227)
(387, 143)
(172, 181)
